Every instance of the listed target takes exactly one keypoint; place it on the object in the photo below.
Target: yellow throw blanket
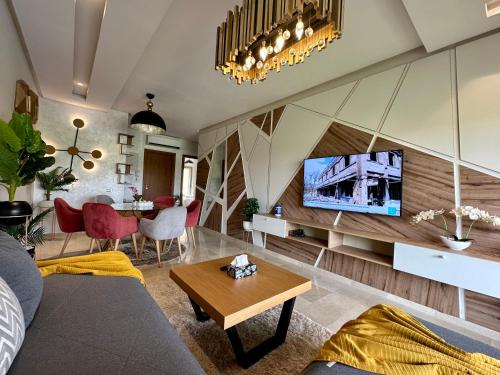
(109, 263)
(387, 340)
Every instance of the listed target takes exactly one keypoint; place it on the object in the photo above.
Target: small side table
(43, 205)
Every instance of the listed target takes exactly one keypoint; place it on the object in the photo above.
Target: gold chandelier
(264, 35)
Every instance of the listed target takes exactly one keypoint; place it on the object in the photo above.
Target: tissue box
(239, 272)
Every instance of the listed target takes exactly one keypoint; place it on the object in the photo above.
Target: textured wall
(100, 132)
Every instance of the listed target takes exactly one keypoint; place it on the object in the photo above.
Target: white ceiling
(440, 23)
(167, 47)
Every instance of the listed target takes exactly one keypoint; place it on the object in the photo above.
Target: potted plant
(22, 155)
(33, 236)
(467, 212)
(55, 180)
(251, 207)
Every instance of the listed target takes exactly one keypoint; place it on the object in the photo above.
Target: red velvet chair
(164, 201)
(70, 220)
(102, 222)
(193, 215)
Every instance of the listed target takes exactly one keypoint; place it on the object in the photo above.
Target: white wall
(100, 132)
(13, 66)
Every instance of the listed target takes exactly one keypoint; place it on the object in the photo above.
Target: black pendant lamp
(148, 122)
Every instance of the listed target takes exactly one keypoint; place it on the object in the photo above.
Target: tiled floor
(332, 301)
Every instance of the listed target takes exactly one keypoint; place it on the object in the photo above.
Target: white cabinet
(475, 274)
(269, 225)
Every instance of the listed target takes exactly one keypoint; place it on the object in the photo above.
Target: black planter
(14, 213)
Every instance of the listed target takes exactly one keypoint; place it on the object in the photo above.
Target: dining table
(139, 211)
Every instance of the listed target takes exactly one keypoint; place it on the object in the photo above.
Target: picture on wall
(368, 183)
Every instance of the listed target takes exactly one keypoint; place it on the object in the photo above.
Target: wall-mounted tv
(368, 183)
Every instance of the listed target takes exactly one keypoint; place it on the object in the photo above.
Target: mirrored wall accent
(217, 169)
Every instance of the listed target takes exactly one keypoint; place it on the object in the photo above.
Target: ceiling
(106, 54)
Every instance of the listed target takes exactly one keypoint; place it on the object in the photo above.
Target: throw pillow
(20, 272)
(11, 326)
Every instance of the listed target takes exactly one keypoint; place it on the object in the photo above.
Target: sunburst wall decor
(75, 151)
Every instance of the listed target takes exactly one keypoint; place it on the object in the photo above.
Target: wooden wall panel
(258, 120)
(338, 140)
(233, 148)
(199, 195)
(427, 183)
(214, 219)
(235, 221)
(235, 183)
(483, 191)
(202, 173)
(430, 293)
(482, 310)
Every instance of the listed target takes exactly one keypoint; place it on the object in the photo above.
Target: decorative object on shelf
(22, 155)
(299, 233)
(240, 267)
(264, 35)
(135, 194)
(251, 207)
(148, 122)
(278, 209)
(26, 101)
(464, 212)
(30, 233)
(124, 168)
(55, 180)
(75, 151)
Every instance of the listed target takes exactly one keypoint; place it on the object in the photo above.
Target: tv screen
(368, 183)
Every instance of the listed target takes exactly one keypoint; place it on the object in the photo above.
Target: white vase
(247, 225)
(455, 245)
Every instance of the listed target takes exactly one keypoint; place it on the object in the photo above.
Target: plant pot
(247, 225)
(14, 213)
(453, 244)
(46, 204)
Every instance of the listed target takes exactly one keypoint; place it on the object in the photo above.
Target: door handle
(146, 187)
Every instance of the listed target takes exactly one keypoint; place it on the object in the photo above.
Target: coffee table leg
(201, 316)
(247, 359)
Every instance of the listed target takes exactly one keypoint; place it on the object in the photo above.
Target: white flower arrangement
(474, 214)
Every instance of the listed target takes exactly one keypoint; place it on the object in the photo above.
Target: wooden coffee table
(214, 294)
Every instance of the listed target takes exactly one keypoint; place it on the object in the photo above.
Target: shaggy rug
(149, 255)
(210, 344)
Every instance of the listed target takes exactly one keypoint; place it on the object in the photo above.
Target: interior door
(159, 174)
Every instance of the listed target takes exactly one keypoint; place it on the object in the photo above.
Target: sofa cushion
(19, 271)
(11, 326)
(101, 325)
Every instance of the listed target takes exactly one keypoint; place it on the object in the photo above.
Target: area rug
(149, 255)
(211, 347)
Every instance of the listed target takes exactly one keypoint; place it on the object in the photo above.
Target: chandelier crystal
(265, 35)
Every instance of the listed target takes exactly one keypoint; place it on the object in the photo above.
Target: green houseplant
(33, 236)
(55, 180)
(22, 155)
(251, 207)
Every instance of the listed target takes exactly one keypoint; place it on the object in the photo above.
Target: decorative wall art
(75, 151)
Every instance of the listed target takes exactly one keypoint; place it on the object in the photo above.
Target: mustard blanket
(387, 340)
(109, 263)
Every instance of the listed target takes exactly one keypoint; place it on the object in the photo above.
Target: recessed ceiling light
(81, 84)
(492, 7)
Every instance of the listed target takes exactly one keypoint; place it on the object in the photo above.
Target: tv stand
(471, 269)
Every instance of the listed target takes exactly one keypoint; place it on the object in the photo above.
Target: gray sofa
(101, 325)
(466, 343)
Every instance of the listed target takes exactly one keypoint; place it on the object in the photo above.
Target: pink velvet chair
(193, 215)
(164, 201)
(102, 222)
(70, 220)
